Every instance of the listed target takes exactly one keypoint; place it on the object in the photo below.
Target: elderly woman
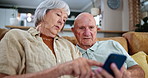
(40, 52)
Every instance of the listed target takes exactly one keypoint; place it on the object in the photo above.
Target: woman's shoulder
(15, 33)
(65, 41)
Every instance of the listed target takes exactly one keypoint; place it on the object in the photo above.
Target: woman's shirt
(25, 52)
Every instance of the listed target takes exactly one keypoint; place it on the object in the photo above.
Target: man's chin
(87, 43)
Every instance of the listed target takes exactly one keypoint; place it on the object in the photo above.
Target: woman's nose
(60, 21)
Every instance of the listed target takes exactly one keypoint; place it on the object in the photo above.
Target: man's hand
(132, 72)
(135, 72)
(101, 73)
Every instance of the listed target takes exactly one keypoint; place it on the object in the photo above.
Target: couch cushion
(140, 58)
(2, 32)
(71, 39)
(138, 41)
(121, 40)
(147, 58)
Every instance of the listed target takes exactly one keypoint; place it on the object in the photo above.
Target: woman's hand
(80, 68)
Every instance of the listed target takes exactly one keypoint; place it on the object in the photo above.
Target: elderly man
(85, 31)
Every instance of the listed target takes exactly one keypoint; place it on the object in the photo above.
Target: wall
(125, 16)
(97, 4)
(112, 19)
(5, 15)
(116, 20)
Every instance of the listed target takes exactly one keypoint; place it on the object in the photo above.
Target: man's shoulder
(107, 41)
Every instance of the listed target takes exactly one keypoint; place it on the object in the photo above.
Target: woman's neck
(46, 32)
(45, 36)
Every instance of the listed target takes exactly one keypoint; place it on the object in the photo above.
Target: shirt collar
(35, 32)
(93, 48)
(80, 49)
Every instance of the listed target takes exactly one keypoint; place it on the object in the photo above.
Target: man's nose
(87, 32)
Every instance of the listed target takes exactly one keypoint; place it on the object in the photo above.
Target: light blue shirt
(102, 49)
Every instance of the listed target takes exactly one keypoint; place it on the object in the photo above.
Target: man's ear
(72, 29)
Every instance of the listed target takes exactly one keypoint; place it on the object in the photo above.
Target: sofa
(135, 43)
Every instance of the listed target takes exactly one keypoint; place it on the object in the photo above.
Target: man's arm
(136, 72)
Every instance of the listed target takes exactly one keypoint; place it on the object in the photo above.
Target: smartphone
(118, 59)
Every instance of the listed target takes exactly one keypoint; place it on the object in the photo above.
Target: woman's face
(54, 21)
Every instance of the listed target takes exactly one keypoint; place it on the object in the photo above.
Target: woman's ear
(38, 26)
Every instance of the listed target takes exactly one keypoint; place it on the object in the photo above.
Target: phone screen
(118, 59)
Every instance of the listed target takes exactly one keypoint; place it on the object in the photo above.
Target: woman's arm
(80, 67)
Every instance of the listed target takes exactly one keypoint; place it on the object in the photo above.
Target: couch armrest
(138, 41)
(140, 58)
(3, 32)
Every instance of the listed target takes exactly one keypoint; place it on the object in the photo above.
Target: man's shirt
(102, 49)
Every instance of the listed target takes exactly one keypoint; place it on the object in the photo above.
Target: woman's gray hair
(46, 5)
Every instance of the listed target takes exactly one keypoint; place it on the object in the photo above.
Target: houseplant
(142, 27)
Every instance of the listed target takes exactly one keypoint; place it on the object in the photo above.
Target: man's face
(85, 31)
